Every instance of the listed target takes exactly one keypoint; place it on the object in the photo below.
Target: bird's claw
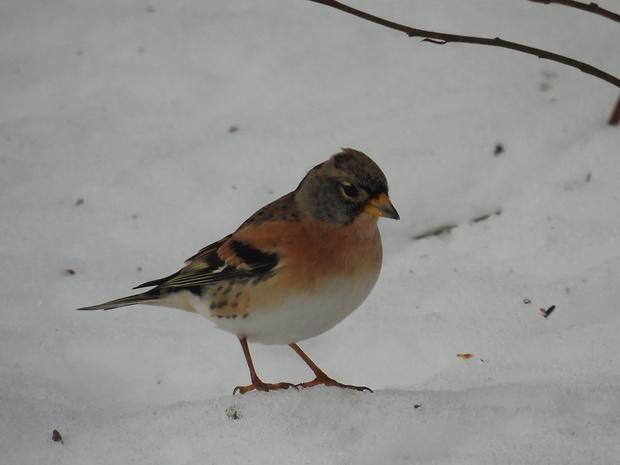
(326, 381)
(265, 387)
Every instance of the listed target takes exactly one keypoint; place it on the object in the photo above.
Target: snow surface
(134, 133)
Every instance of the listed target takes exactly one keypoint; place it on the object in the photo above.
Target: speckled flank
(227, 300)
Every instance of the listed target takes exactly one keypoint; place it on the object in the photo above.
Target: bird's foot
(327, 381)
(265, 387)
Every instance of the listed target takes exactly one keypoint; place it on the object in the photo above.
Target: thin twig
(591, 7)
(443, 38)
(614, 118)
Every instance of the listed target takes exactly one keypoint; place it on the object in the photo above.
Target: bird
(292, 270)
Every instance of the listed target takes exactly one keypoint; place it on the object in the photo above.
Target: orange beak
(382, 206)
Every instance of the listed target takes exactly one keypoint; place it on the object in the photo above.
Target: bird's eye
(349, 190)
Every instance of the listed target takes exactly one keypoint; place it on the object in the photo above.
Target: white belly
(301, 317)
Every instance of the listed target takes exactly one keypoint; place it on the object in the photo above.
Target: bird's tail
(143, 298)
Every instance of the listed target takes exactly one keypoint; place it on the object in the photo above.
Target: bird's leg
(257, 384)
(320, 376)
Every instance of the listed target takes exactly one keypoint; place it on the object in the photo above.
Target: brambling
(293, 270)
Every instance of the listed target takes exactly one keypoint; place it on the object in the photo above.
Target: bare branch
(614, 118)
(443, 38)
(591, 7)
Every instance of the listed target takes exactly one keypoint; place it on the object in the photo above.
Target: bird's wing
(228, 258)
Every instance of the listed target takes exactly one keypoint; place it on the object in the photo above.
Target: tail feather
(143, 298)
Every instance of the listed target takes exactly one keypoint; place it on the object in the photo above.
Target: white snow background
(133, 133)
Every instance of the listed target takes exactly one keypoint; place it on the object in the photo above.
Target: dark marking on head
(322, 195)
(342, 159)
(317, 166)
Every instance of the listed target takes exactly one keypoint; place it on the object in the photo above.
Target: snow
(134, 133)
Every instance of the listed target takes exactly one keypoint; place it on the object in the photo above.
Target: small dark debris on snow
(486, 217)
(588, 177)
(79, 202)
(547, 312)
(233, 413)
(417, 406)
(499, 149)
(439, 231)
(69, 272)
(527, 301)
(447, 228)
(233, 129)
(57, 437)
(544, 87)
